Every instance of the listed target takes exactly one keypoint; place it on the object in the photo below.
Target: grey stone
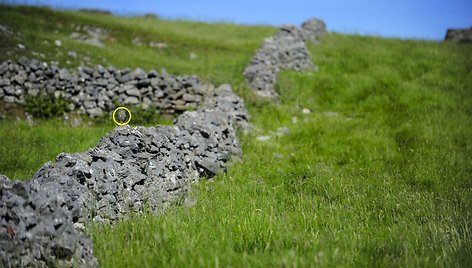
(72, 54)
(313, 30)
(32, 78)
(4, 82)
(152, 74)
(144, 83)
(64, 74)
(210, 165)
(131, 100)
(283, 131)
(132, 91)
(146, 103)
(138, 74)
(459, 35)
(90, 104)
(100, 87)
(19, 79)
(101, 82)
(124, 78)
(9, 99)
(191, 97)
(95, 112)
(263, 138)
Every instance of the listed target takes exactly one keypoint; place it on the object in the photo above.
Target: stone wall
(285, 50)
(93, 91)
(43, 219)
(459, 35)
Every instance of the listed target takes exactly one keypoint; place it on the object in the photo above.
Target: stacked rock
(37, 230)
(93, 91)
(459, 35)
(313, 30)
(131, 168)
(285, 50)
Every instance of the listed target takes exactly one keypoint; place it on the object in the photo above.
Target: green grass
(24, 148)
(222, 49)
(378, 174)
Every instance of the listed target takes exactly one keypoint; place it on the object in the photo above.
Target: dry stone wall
(43, 219)
(459, 35)
(285, 50)
(93, 91)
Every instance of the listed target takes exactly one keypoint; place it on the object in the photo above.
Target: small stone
(4, 82)
(131, 100)
(158, 45)
(191, 98)
(29, 119)
(143, 83)
(33, 92)
(331, 114)
(9, 99)
(146, 103)
(278, 156)
(95, 112)
(72, 54)
(283, 131)
(294, 120)
(152, 74)
(21, 46)
(64, 74)
(210, 164)
(263, 138)
(58, 43)
(9, 90)
(138, 74)
(306, 111)
(133, 92)
(124, 78)
(90, 104)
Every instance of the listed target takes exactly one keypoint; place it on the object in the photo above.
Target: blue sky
(420, 19)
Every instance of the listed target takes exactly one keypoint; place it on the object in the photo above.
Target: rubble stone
(285, 50)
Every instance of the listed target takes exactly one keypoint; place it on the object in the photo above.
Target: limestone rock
(459, 35)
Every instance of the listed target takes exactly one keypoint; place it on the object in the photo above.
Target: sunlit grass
(378, 174)
(25, 148)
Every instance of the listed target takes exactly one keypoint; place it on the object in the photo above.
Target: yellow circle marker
(121, 108)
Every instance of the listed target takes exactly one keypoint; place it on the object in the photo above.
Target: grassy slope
(222, 52)
(378, 174)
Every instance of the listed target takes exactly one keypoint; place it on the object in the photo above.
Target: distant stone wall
(285, 50)
(92, 91)
(459, 35)
(42, 220)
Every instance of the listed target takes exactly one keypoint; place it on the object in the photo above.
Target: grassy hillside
(377, 174)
